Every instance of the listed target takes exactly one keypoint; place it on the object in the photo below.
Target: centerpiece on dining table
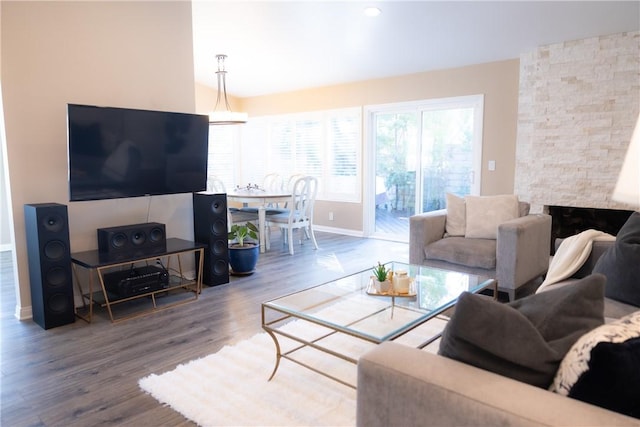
(250, 188)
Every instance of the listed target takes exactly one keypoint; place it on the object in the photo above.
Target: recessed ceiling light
(372, 12)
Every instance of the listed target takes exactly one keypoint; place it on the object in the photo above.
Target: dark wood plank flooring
(87, 375)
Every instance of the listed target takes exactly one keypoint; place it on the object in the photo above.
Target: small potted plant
(243, 254)
(381, 278)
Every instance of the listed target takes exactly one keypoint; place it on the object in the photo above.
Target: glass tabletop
(352, 306)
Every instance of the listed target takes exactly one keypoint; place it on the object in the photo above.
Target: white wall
(6, 240)
(5, 231)
(125, 54)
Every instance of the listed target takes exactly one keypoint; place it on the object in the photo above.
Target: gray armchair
(518, 255)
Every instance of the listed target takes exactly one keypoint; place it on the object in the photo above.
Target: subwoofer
(210, 228)
(126, 241)
(47, 231)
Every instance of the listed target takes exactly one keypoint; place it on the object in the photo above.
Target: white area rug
(230, 388)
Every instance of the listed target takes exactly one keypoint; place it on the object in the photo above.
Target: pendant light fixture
(222, 114)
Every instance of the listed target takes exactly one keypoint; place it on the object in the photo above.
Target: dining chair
(284, 207)
(292, 180)
(234, 215)
(272, 183)
(299, 214)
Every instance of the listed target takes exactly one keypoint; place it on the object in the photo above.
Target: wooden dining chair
(300, 213)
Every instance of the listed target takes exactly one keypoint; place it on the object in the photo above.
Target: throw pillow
(602, 367)
(620, 264)
(485, 213)
(527, 339)
(455, 223)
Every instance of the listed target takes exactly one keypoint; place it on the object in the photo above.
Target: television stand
(138, 290)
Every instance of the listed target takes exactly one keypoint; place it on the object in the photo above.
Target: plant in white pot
(243, 254)
(381, 278)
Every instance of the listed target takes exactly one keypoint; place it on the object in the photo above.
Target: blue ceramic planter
(243, 259)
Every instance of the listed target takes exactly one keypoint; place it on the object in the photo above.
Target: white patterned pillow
(576, 361)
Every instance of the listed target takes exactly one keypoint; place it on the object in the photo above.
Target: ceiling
(279, 46)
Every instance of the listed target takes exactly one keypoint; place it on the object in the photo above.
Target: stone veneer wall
(578, 104)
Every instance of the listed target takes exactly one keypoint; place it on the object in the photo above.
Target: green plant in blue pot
(243, 248)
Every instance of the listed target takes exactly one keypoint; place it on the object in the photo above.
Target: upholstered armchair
(490, 236)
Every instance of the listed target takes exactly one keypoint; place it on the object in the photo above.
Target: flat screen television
(123, 152)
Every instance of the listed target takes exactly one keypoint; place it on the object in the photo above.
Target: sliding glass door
(420, 152)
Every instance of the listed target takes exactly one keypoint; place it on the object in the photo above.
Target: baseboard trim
(334, 230)
(23, 313)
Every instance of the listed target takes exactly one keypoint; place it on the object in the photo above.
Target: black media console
(139, 279)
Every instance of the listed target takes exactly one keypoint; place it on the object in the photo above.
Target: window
(222, 140)
(323, 144)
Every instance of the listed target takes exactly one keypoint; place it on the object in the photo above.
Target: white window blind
(323, 144)
(343, 169)
(220, 163)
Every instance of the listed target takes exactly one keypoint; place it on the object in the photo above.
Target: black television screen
(122, 152)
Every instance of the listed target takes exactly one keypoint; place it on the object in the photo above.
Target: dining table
(261, 199)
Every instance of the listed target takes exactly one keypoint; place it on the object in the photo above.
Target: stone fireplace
(578, 104)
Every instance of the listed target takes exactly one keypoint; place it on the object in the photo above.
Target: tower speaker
(210, 228)
(131, 240)
(47, 230)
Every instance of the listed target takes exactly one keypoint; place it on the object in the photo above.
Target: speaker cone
(58, 303)
(52, 223)
(156, 235)
(220, 267)
(56, 276)
(54, 250)
(118, 240)
(219, 227)
(217, 207)
(219, 247)
(138, 238)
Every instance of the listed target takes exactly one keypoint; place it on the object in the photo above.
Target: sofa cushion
(485, 213)
(620, 264)
(455, 224)
(459, 250)
(527, 339)
(602, 367)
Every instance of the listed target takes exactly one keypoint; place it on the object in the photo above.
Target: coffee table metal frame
(283, 314)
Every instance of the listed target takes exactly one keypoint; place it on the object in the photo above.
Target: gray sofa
(403, 386)
(520, 253)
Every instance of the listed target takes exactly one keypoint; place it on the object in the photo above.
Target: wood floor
(87, 375)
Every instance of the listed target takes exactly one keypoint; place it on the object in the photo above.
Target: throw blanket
(571, 255)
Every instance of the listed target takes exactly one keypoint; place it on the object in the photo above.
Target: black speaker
(47, 230)
(210, 228)
(125, 241)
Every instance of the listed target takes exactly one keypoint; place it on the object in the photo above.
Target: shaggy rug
(230, 387)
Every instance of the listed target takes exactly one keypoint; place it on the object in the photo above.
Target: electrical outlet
(330, 216)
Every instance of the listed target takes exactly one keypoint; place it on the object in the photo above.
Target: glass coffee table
(341, 317)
